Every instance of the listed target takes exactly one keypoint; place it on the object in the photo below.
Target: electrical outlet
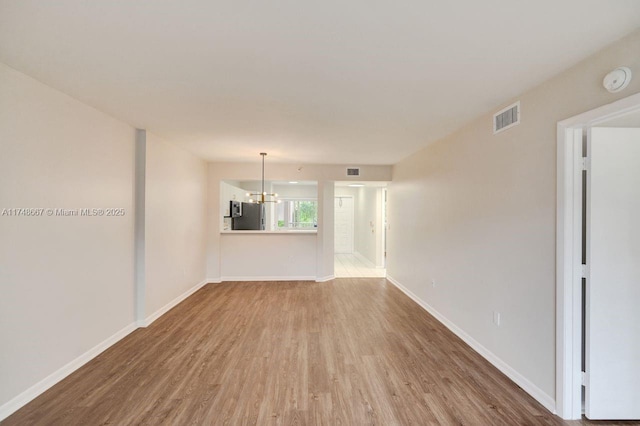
(496, 318)
(433, 283)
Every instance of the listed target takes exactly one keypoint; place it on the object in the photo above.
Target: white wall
(66, 282)
(68, 288)
(309, 191)
(175, 223)
(476, 213)
(324, 255)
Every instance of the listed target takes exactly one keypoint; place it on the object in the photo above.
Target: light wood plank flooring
(344, 352)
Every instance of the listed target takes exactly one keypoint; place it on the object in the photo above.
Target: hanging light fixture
(261, 197)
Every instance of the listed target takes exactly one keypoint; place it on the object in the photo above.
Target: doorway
(360, 229)
(597, 273)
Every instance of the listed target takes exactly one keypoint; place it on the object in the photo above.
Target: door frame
(569, 272)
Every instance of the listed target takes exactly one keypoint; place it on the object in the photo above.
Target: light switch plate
(496, 318)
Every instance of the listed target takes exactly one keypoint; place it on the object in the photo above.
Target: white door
(613, 286)
(343, 219)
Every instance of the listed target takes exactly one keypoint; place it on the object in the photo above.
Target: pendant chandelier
(262, 196)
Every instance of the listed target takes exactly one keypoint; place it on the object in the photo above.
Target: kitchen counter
(268, 255)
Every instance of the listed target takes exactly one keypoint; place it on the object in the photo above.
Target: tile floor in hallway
(349, 265)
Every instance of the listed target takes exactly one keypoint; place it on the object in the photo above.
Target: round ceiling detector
(617, 79)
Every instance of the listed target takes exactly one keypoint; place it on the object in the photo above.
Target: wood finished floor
(344, 352)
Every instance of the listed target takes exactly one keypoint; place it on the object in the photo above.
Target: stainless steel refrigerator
(252, 218)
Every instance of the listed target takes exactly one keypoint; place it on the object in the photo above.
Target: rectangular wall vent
(353, 171)
(506, 118)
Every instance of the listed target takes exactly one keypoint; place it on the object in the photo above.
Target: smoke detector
(617, 79)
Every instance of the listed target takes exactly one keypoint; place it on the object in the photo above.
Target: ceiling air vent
(506, 118)
(353, 171)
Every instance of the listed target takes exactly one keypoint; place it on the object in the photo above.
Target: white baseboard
(269, 278)
(214, 280)
(325, 279)
(538, 394)
(166, 308)
(28, 395)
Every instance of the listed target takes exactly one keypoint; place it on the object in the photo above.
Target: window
(297, 214)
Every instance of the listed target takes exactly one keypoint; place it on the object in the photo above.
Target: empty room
(328, 213)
